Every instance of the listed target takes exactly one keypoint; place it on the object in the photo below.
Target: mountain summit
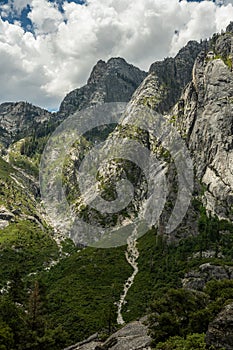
(112, 81)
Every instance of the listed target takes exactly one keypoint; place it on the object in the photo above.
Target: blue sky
(22, 14)
(48, 48)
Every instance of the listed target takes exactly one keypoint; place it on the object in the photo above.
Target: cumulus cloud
(13, 7)
(45, 16)
(19, 5)
(203, 20)
(44, 66)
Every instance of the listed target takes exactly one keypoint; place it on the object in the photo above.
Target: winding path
(132, 254)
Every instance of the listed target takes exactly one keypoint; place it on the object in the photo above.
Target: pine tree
(35, 309)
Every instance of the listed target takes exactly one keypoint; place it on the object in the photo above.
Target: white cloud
(14, 7)
(224, 13)
(59, 58)
(5, 10)
(45, 16)
(19, 5)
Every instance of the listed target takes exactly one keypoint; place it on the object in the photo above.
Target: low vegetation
(60, 306)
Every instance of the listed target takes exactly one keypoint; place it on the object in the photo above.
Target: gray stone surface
(208, 123)
(175, 73)
(133, 336)
(20, 119)
(197, 279)
(111, 81)
(220, 331)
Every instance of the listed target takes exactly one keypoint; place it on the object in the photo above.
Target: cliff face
(175, 73)
(116, 81)
(158, 91)
(20, 119)
(205, 112)
(202, 117)
(112, 81)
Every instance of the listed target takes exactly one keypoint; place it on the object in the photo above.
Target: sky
(48, 48)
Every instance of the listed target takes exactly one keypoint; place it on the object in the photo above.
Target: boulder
(133, 336)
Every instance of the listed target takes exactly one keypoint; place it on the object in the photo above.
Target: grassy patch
(25, 246)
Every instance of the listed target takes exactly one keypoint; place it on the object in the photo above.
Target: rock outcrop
(220, 334)
(20, 119)
(131, 337)
(174, 74)
(197, 279)
(112, 81)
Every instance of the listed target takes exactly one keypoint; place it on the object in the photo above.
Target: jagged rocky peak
(111, 81)
(187, 55)
(229, 28)
(97, 72)
(174, 74)
(116, 81)
(115, 65)
(20, 119)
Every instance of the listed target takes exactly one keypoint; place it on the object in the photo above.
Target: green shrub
(192, 342)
